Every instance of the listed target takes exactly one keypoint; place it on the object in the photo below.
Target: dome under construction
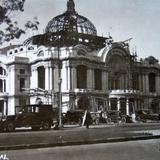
(71, 21)
(69, 29)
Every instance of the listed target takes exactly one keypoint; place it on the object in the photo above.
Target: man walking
(88, 119)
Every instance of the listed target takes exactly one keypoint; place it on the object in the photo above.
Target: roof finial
(71, 6)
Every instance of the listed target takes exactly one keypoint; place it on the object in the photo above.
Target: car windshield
(29, 109)
(35, 109)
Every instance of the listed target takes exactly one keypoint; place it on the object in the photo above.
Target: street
(73, 136)
(135, 150)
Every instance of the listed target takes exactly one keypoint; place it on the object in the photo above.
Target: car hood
(153, 114)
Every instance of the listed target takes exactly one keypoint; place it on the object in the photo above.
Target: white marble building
(93, 71)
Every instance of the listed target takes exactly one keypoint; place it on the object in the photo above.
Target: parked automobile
(99, 117)
(116, 117)
(146, 114)
(113, 116)
(95, 117)
(73, 117)
(34, 116)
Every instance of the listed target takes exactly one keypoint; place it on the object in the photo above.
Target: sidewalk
(74, 135)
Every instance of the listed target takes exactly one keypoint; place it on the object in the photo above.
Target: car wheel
(46, 125)
(123, 120)
(138, 118)
(10, 127)
(108, 120)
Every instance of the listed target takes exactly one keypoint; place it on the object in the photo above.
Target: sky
(122, 19)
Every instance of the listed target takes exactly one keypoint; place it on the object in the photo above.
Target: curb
(95, 141)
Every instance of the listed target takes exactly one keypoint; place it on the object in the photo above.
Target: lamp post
(59, 86)
(60, 101)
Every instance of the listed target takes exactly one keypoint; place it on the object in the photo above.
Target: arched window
(41, 77)
(1, 70)
(152, 82)
(81, 77)
(1, 85)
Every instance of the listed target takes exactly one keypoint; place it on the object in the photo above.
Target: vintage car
(73, 117)
(34, 116)
(99, 117)
(116, 117)
(146, 114)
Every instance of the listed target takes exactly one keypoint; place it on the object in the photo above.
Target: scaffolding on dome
(69, 29)
(71, 21)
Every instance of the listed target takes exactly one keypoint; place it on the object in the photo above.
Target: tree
(10, 30)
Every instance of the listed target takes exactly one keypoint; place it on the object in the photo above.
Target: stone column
(89, 78)
(34, 78)
(109, 104)
(50, 78)
(127, 107)
(5, 107)
(104, 80)
(144, 84)
(158, 84)
(55, 75)
(118, 104)
(74, 78)
(5, 85)
(67, 78)
(147, 83)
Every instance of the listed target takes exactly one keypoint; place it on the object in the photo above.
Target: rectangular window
(1, 106)
(22, 84)
(98, 79)
(22, 71)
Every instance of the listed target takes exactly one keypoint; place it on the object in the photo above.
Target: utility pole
(59, 86)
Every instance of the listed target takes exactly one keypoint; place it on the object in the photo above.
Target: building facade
(90, 71)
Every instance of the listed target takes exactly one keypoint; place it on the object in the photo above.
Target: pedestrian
(88, 119)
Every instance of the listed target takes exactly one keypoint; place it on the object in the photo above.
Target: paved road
(137, 150)
(70, 135)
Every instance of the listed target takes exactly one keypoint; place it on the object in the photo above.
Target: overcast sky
(123, 19)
